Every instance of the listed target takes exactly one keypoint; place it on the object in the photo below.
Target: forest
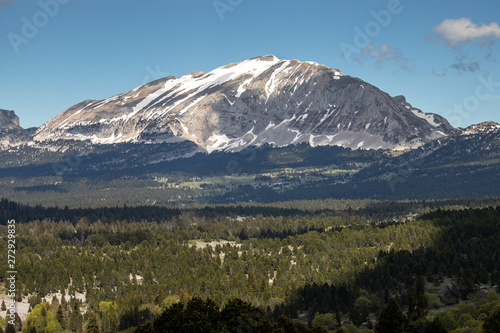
(339, 266)
(80, 175)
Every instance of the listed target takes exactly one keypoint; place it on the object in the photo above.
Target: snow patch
(219, 142)
(271, 84)
(193, 103)
(271, 125)
(427, 116)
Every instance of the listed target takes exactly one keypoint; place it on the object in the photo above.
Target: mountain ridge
(8, 120)
(262, 100)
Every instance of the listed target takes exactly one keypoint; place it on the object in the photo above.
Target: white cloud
(471, 43)
(463, 30)
(383, 54)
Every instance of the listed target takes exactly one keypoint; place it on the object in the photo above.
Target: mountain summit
(11, 133)
(262, 100)
(8, 120)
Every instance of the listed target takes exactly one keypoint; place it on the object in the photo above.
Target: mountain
(463, 165)
(11, 133)
(487, 127)
(434, 119)
(8, 120)
(259, 101)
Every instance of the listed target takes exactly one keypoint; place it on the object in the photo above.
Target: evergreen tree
(10, 328)
(435, 326)
(238, 316)
(286, 325)
(75, 318)
(412, 305)
(252, 283)
(422, 305)
(392, 319)
(92, 326)
(60, 315)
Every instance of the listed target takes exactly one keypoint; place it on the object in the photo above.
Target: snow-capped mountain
(253, 102)
(482, 128)
(434, 119)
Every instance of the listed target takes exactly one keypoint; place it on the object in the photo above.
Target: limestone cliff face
(11, 133)
(8, 120)
(253, 102)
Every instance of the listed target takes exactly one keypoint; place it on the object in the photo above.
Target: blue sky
(443, 55)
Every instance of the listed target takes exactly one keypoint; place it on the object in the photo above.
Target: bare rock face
(258, 101)
(8, 120)
(482, 128)
(11, 133)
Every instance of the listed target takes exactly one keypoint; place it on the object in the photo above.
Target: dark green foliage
(146, 328)
(92, 326)
(392, 319)
(286, 324)
(435, 326)
(326, 320)
(458, 166)
(321, 329)
(198, 316)
(238, 315)
(60, 315)
(204, 317)
(293, 265)
(492, 323)
(412, 305)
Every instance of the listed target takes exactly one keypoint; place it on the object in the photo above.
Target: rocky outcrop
(8, 120)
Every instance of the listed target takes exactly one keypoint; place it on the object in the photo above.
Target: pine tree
(252, 283)
(10, 328)
(92, 326)
(436, 326)
(412, 305)
(422, 305)
(60, 316)
(392, 319)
